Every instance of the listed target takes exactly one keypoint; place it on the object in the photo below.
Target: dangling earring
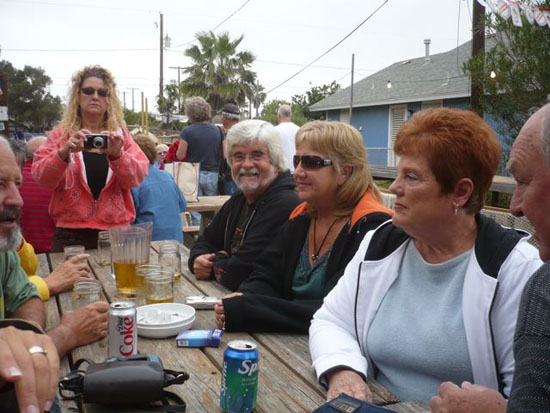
(455, 207)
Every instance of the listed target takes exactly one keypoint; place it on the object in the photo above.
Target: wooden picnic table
(207, 206)
(287, 382)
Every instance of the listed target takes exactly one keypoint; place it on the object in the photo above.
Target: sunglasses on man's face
(90, 91)
(310, 162)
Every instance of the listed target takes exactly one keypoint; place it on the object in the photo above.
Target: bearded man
(247, 222)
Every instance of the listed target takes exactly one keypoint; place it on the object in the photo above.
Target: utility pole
(351, 88)
(161, 56)
(478, 46)
(124, 99)
(179, 96)
(132, 89)
(4, 124)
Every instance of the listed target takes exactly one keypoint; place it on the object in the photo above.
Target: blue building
(387, 98)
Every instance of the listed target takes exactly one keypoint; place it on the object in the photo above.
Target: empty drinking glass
(85, 292)
(72, 250)
(104, 248)
(170, 259)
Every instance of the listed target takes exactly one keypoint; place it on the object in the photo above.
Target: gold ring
(37, 350)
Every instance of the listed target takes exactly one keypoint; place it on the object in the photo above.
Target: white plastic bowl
(165, 331)
(184, 313)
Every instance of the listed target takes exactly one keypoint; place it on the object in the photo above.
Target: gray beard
(12, 241)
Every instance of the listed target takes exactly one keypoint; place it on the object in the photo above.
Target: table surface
(286, 380)
(208, 203)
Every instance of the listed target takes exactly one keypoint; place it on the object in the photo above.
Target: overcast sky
(62, 36)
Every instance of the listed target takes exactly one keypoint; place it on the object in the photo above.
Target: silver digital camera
(96, 141)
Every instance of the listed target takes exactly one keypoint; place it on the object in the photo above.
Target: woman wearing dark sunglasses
(91, 185)
(340, 203)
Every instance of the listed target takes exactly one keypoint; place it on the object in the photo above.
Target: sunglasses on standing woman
(310, 162)
(90, 91)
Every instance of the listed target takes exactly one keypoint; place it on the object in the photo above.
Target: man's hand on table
(63, 277)
(220, 312)
(349, 382)
(80, 327)
(203, 266)
(35, 376)
(469, 398)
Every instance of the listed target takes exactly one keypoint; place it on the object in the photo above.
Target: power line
(332, 48)
(222, 22)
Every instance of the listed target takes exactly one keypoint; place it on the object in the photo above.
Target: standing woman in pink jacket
(91, 183)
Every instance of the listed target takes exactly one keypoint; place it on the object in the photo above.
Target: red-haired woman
(432, 296)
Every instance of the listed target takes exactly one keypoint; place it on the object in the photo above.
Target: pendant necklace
(315, 255)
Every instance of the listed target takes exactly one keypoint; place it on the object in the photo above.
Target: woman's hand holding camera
(115, 145)
(74, 144)
(77, 143)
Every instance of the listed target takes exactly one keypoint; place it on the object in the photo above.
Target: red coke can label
(123, 339)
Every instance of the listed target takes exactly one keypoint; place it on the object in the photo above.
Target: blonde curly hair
(72, 117)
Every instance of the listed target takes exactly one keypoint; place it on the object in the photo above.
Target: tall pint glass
(130, 248)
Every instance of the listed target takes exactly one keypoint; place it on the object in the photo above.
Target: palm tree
(219, 73)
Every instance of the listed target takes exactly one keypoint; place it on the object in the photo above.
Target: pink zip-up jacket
(72, 202)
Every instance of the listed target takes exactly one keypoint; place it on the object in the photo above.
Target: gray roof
(412, 80)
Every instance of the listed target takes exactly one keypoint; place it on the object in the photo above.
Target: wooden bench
(190, 234)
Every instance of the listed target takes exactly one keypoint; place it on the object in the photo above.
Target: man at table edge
(19, 299)
(529, 164)
(248, 220)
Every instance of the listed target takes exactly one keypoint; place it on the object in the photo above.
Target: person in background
(91, 187)
(341, 203)
(201, 142)
(162, 150)
(529, 164)
(18, 149)
(431, 297)
(158, 199)
(247, 222)
(287, 129)
(230, 117)
(36, 223)
(20, 300)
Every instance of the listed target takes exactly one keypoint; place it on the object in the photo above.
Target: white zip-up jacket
(498, 269)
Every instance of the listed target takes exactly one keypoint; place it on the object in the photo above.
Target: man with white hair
(529, 164)
(245, 225)
(287, 129)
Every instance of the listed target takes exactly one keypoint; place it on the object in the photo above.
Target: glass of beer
(72, 250)
(129, 249)
(141, 272)
(170, 258)
(159, 287)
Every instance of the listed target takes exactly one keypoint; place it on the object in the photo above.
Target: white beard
(12, 241)
(253, 184)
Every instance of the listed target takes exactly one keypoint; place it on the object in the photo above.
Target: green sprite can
(239, 377)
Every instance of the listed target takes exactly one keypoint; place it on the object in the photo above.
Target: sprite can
(239, 377)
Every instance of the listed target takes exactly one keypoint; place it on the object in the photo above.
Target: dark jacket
(267, 216)
(267, 305)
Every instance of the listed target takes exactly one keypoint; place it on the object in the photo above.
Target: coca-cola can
(123, 338)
